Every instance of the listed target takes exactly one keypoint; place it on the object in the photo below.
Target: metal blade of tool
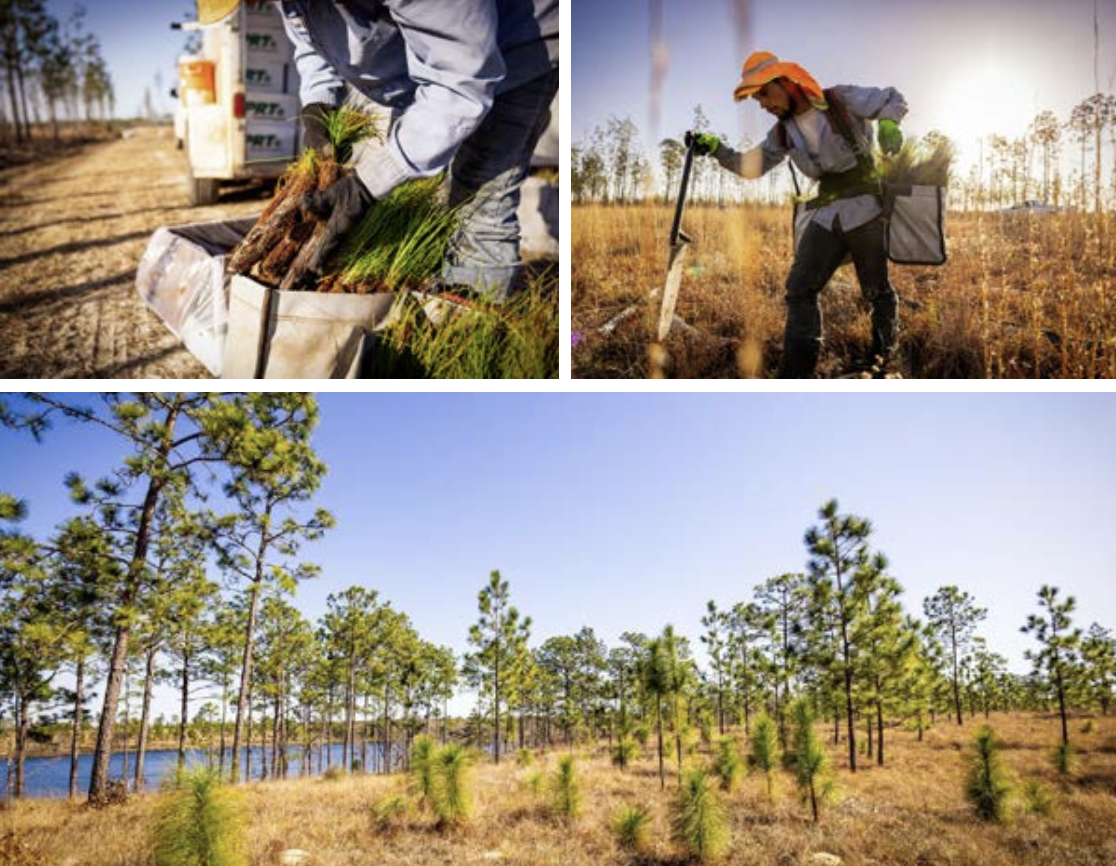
(679, 242)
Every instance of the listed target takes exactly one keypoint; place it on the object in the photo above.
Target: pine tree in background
(1052, 629)
(954, 616)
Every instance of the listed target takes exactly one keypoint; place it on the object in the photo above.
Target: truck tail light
(238, 106)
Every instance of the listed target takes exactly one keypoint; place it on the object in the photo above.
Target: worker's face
(774, 99)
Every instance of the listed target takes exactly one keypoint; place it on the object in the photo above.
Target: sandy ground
(72, 231)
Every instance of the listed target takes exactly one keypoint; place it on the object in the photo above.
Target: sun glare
(984, 102)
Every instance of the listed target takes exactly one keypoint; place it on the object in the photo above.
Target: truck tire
(203, 190)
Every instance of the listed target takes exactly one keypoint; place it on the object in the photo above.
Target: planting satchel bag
(914, 214)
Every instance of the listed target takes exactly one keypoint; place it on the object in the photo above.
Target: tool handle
(676, 226)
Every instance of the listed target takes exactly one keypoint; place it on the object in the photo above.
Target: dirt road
(72, 231)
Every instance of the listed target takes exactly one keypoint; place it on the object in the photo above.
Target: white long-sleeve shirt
(438, 64)
(816, 148)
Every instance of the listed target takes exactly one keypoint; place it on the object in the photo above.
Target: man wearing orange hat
(827, 135)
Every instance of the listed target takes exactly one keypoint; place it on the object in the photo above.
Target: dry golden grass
(1018, 298)
(909, 813)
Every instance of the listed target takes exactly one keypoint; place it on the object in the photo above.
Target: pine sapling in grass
(625, 751)
(727, 764)
(1065, 758)
(452, 786)
(201, 822)
(987, 787)
(423, 752)
(565, 795)
(631, 825)
(1037, 798)
(811, 762)
(699, 823)
(764, 754)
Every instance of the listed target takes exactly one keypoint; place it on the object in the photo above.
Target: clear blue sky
(629, 511)
(137, 44)
(967, 67)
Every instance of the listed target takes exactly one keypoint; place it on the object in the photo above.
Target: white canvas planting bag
(915, 234)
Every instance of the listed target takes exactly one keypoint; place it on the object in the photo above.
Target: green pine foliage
(811, 762)
(764, 754)
(423, 752)
(631, 825)
(525, 757)
(345, 127)
(625, 751)
(392, 814)
(1065, 758)
(566, 798)
(514, 340)
(987, 787)
(452, 794)
(700, 824)
(201, 822)
(401, 241)
(1038, 798)
(728, 766)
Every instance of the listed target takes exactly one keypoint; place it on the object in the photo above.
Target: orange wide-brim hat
(763, 67)
(212, 11)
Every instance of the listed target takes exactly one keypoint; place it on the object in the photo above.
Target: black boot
(800, 357)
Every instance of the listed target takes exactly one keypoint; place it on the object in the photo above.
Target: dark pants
(820, 253)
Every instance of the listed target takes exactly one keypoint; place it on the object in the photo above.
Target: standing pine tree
(498, 637)
(1059, 643)
(811, 763)
(954, 615)
(838, 549)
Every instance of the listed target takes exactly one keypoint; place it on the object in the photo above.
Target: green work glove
(889, 136)
(703, 143)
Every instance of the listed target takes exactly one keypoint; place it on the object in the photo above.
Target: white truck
(237, 113)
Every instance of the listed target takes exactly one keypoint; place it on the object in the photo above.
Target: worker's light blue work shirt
(825, 151)
(438, 64)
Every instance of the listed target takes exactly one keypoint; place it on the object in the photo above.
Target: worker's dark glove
(315, 135)
(703, 143)
(889, 137)
(342, 205)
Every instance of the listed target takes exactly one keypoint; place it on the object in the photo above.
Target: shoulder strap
(839, 120)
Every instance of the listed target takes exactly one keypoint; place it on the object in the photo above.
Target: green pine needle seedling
(1065, 758)
(699, 823)
(625, 751)
(764, 754)
(392, 814)
(1037, 798)
(534, 783)
(452, 788)
(423, 752)
(201, 822)
(347, 126)
(631, 825)
(728, 766)
(811, 762)
(565, 793)
(401, 241)
(987, 787)
(1088, 727)
(525, 758)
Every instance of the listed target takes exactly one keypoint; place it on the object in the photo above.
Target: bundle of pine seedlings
(399, 244)
(478, 340)
(919, 162)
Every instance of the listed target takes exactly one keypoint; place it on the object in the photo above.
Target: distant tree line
(151, 582)
(611, 166)
(49, 71)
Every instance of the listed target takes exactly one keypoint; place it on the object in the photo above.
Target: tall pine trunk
(98, 780)
(242, 707)
(184, 712)
(75, 735)
(145, 713)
